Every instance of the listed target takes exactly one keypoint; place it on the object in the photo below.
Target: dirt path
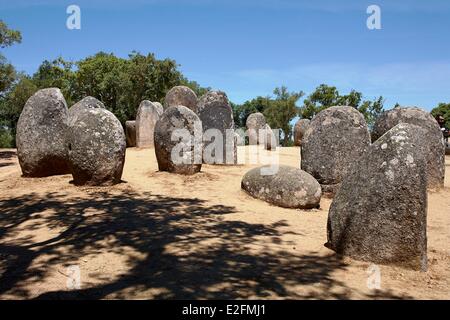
(161, 235)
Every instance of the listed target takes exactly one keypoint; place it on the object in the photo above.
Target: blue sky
(248, 47)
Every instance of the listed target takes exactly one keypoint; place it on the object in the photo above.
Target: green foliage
(7, 36)
(57, 74)
(278, 110)
(12, 105)
(281, 110)
(327, 96)
(443, 109)
(7, 72)
(7, 75)
(372, 110)
(241, 112)
(121, 84)
(6, 138)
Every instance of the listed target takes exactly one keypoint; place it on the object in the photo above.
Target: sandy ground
(161, 235)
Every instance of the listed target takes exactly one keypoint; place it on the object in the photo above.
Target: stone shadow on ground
(223, 268)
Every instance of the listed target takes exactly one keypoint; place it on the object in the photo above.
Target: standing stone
(130, 132)
(271, 140)
(255, 122)
(379, 212)
(299, 130)
(96, 148)
(181, 96)
(214, 110)
(85, 103)
(159, 107)
(434, 147)
(146, 118)
(40, 134)
(284, 186)
(178, 141)
(335, 139)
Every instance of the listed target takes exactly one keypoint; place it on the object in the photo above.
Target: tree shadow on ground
(7, 154)
(188, 250)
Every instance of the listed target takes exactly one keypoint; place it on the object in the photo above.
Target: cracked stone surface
(96, 147)
(434, 148)
(286, 187)
(379, 213)
(188, 153)
(214, 110)
(181, 96)
(335, 139)
(40, 135)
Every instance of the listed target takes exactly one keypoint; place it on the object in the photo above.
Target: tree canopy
(279, 110)
(327, 96)
(8, 77)
(120, 83)
(443, 109)
(7, 72)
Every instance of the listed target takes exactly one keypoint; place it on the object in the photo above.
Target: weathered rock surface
(130, 132)
(159, 107)
(335, 139)
(299, 130)
(255, 122)
(181, 96)
(287, 187)
(40, 135)
(146, 118)
(85, 103)
(178, 141)
(271, 140)
(379, 212)
(434, 147)
(214, 110)
(96, 148)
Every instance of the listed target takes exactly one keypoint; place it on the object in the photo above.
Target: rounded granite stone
(284, 186)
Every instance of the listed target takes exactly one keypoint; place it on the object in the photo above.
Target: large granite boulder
(40, 137)
(256, 122)
(85, 103)
(286, 187)
(434, 147)
(146, 118)
(96, 148)
(335, 139)
(130, 133)
(214, 110)
(181, 96)
(299, 130)
(178, 141)
(379, 212)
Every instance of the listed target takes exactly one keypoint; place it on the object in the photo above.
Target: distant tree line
(282, 108)
(122, 83)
